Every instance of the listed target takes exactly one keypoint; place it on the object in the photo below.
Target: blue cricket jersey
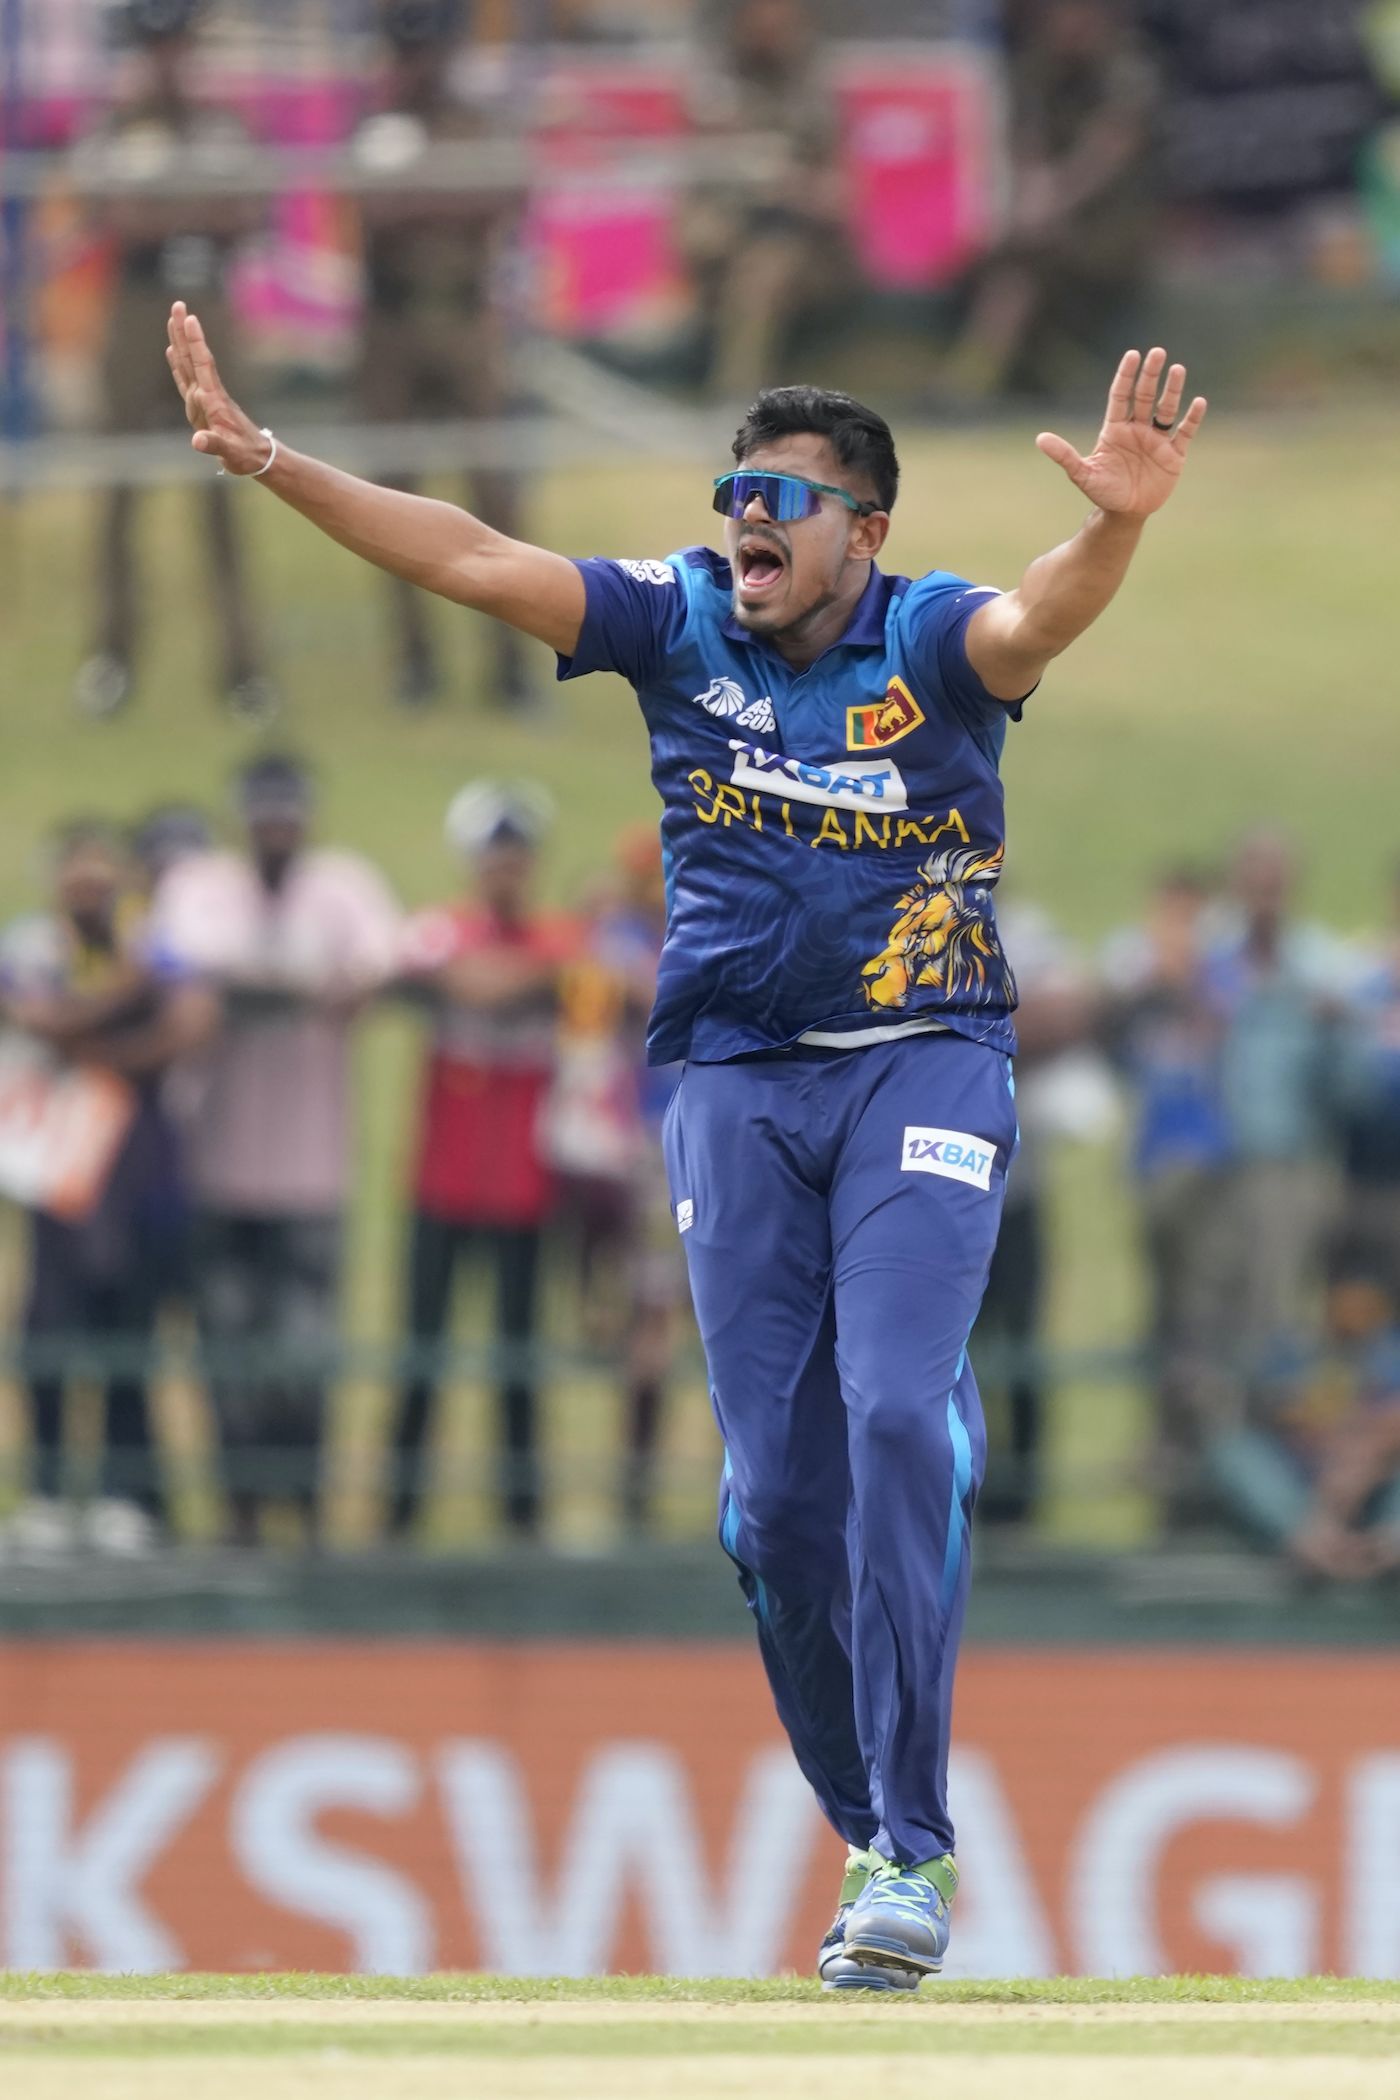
(832, 836)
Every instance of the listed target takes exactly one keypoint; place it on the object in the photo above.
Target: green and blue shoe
(902, 1918)
(835, 1968)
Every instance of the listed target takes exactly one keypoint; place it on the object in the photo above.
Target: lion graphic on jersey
(942, 934)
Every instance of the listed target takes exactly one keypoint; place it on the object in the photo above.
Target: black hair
(410, 24)
(157, 21)
(74, 835)
(1188, 876)
(278, 774)
(171, 823)
(861, 439)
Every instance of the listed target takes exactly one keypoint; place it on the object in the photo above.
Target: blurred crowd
(178, 1028)
(1257, 1056)
(440, 260)
(178, 1025)
(1042, 243)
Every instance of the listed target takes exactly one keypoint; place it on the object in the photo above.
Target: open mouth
(760, 567)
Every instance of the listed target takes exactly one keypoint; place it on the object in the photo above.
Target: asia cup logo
(722, 697)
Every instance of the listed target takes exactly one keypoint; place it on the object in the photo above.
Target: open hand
(221, 429)
(1141, 449)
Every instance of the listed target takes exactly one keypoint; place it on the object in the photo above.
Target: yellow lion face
(939, 935)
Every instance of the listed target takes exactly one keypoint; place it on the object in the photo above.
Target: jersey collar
(864, 630)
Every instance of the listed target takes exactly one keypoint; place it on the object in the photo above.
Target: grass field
(1242, 675)
(108, 2038)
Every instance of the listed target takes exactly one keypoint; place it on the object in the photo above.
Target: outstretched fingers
(1190, 423)
(1120, 394)
(206, 372)
(177, 354)
(1148, 380)
(1169, 404)
(215, 444)
(1062, 452)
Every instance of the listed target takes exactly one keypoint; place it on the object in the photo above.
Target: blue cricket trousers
(838, 1211)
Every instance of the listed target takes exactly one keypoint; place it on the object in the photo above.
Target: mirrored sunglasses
(785, 497)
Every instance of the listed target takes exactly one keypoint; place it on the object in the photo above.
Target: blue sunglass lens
(784, 498)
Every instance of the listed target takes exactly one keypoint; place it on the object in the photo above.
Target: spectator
(166, 835)
(758, 249)
(146, 173)
(1277, 984)
(1053, 1017)
(112, 1014)
(1315, 1469)
(435, 333)
(491, 965)
(1370, 1117)
(603, 1138)
(1079, 231)
(1165, 1032)
(294, 938)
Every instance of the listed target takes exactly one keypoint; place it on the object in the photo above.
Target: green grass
(1242, 675)
(530, 2036)
(82, 1986)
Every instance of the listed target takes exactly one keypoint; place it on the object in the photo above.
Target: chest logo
(729, 701)
(883, 721)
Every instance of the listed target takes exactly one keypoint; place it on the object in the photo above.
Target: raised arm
(437, 545)
(1129, 474)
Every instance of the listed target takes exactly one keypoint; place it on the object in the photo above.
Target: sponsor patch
(685, 1214)
(844, 784)
(648, 571)
(883, 721)
(951, 1153)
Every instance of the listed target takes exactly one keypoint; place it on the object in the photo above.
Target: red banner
(574, 1809)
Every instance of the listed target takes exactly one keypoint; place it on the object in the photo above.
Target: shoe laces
(899, 1889)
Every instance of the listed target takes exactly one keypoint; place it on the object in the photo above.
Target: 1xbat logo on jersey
(848, 784)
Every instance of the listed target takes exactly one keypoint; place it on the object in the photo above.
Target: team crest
(884, 721)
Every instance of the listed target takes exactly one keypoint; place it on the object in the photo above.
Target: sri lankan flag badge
(884, 721)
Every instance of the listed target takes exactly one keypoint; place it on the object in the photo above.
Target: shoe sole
(881, 1978)
(869, 1986)
(875, 1953)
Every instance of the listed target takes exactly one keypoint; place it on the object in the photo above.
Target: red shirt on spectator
(479, 1155)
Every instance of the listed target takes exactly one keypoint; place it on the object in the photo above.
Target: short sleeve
(370, 922)
(633, 616)
(197, 914)
(937, 610)
(31, 957)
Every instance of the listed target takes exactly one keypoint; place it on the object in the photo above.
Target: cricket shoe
(836, 1970)
(903, 1917)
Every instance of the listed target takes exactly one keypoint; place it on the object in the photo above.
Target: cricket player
(824, 739)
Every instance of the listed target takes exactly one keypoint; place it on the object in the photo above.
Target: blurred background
(342, 1299)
